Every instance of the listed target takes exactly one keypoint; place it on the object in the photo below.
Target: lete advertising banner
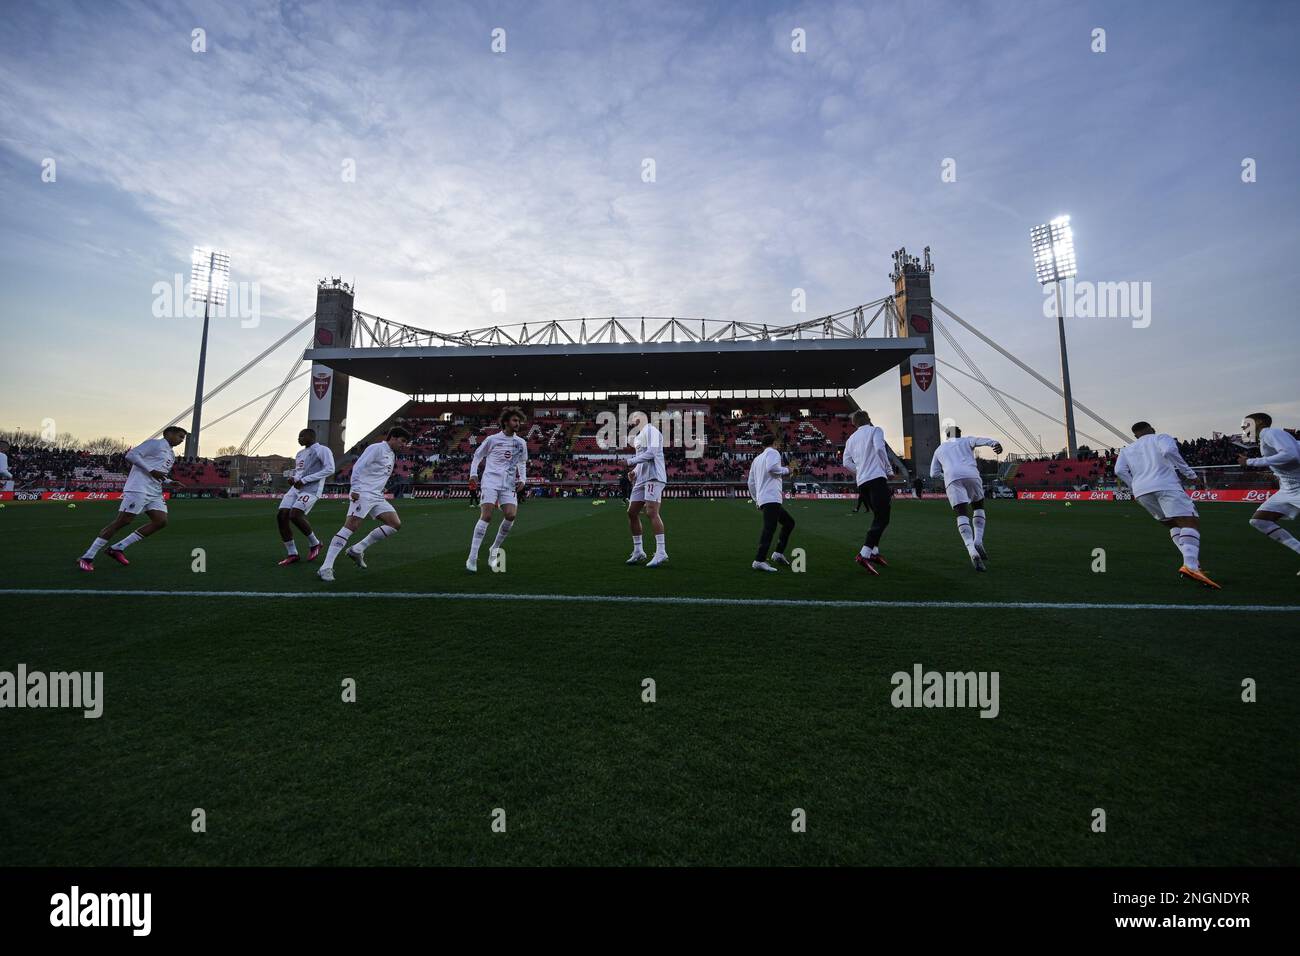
(66, 495)
(1228, 495)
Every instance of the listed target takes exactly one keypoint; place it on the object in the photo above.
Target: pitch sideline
(658, 599)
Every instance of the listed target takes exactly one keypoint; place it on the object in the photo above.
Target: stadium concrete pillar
(917, 373)
(327, 407)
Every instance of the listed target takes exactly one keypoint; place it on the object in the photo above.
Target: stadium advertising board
(1230, 495)
(66, 495)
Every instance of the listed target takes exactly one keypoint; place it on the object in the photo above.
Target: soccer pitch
(766, 700)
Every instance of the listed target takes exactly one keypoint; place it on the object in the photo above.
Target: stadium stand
(565, 452)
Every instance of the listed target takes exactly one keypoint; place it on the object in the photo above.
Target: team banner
(925, 397)
(322, 390)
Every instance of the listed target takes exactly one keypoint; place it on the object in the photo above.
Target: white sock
(375, 536)
(337, 544)
(476, 542)
(636, 543)
(865, 552)
(978, 524)
(659, 544)
(1278, 533)
(1176, 535)
(290, 547)
(129, 540)
(502, 531)
(967, 534)
(1189, 542)
(94, 548)
(313, 540)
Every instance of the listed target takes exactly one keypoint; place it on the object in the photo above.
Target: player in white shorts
(506, 469)
(1151, 467)
(954, 461)
(151, 464)
(311, 466)
(370, 474)
(6, 478)
(649, 476)
(1279, 451)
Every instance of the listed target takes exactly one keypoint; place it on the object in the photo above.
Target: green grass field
(468, 703)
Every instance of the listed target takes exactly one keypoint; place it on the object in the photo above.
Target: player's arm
(1274, 457)
(1122, 470)
(1172, 455)
(645, 454)
(479, 452)
(849, 461)
(134, 457)
(987, 443)
(326, 468)
(753, 485)
(885, 460)
(358, 472)
(521, 467)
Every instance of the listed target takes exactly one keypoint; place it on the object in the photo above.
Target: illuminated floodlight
(209, 275)
(1053, 244)
(209, 281)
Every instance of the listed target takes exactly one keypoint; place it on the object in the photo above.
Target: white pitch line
(652, 599)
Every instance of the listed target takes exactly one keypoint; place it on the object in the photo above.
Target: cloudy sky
(521, 171)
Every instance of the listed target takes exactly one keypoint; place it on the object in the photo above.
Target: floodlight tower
(209, 281)
(1053, 245)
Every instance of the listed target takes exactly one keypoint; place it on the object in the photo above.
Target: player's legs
(769, 513)
(299, 518)
(878, 496)
(282, 522)
(634, 509)
(389, 525)
(786, 521)
(508, 512)
(1266, 523)
(157, 521)
(977, 521)
(340, 540)
(962, 511)
(486, 507)
(123, 519)
(652, 508)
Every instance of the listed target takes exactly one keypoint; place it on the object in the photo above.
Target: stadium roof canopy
(609, 355)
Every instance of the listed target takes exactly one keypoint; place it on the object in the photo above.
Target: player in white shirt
(765, 473)
(1279, 451)
(1151, 466)
(6, 478)
(311, 467)
(867, 456)
(954, 461)
(370, 474)
(504, 476)
(151, 464)
(649, 476)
